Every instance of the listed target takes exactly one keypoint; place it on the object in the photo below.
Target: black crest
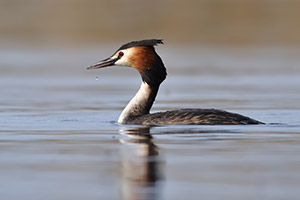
(152, 42)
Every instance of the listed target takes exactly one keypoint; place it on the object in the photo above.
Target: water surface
(59, 138)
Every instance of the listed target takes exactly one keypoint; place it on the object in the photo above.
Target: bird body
(193, 117)
(142, 56)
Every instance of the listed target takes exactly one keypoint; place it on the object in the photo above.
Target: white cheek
(124, 61)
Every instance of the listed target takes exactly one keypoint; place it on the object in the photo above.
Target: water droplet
(97, 78)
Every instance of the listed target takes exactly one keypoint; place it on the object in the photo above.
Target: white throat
(140, 104)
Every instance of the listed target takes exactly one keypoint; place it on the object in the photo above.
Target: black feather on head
(151, 42)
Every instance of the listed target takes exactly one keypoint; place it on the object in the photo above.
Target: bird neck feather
(140, 104)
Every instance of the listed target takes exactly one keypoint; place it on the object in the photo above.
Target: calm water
(59, 138)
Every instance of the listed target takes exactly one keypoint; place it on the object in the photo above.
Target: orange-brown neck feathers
(149, 64)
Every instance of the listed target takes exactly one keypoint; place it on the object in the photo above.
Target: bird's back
(193, 117)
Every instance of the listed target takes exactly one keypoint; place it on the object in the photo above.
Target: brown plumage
(141, 55)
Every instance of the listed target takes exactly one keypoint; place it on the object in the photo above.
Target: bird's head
(140, 55)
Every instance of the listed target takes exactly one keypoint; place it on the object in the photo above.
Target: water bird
(142, 56)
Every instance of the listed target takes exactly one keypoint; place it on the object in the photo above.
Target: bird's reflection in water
(140, 166)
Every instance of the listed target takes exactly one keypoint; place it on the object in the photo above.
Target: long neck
(140, 104)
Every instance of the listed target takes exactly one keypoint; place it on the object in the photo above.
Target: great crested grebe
(142, 56)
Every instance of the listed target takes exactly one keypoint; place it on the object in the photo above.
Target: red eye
(121, 54)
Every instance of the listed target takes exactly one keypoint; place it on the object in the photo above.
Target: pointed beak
(104, 63)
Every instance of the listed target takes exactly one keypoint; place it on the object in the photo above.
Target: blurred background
(72, 34)
(226, 22)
